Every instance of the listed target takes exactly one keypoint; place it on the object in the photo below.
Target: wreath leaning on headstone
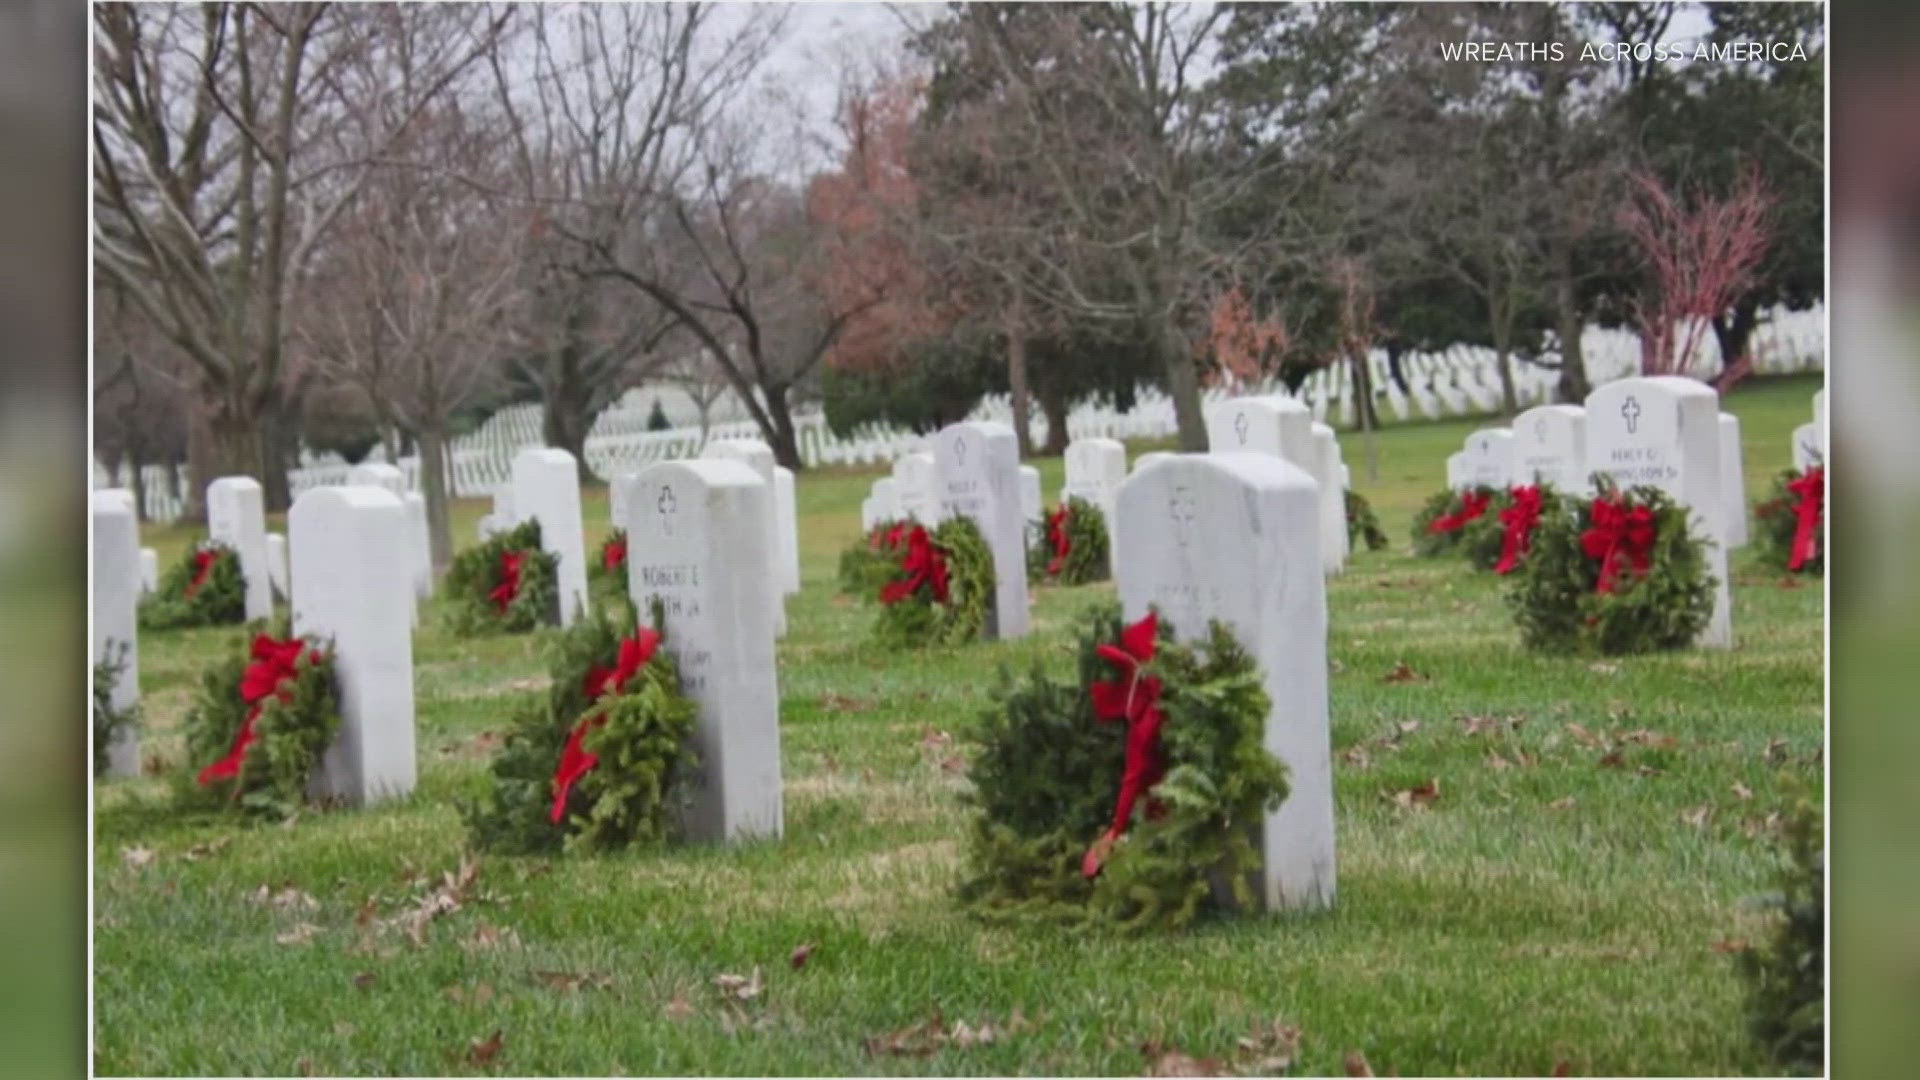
(1441, 524)
(1500, 538)
(1363, 525)
(108, 721)
(204, 588)
(1070, 545)
(868, 563)
(1127, 797)
(260, 721)
(1624, 572)
(507, 582)
(1790, 521)
(940, 587)
(598, 761)
(607, 572)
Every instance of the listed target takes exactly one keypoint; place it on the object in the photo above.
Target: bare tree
(229, 139)
(412, 303)
(701, 379)
(140, 394)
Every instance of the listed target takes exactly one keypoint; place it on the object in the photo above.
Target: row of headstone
(1810, 439)
(117, 584)
(1548, 444)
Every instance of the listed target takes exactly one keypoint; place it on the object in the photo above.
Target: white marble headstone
(349, 587)
(379, 474)
(1490, 458)
(1143, 461)
(1550, 447)
(1095, 469)
(1733, 482)
(546, 488)
(1333, 500)
(1459, 472)
(1234, 536)
(236, 516)
(916, 485)
(758, 456)
(1030, 497)
(1809, 447)
(1664, 431)
(880, 504)
(698, 534)
(420, 543)
(116, 599)
(979, 468)
(787, 515)
(1272, 424)
(277, 563)
(149, 569)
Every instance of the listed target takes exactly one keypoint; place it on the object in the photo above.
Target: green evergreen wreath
(635, 793)
(1363, 526)
(921, 618)
(478, 571)
(607, 575)
(1047, 772)
(1441, 505)
(292, 729)
(868, 564)
(1555, 594)
(1777, 519)
(109, 722)
(220, 597)
(1484, 539)
(1086, 557)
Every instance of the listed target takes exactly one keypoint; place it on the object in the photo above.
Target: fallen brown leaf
(1271, 1047)
(1731, 945)
(482, 1052)
(1403, 672)
(364, 980)
(1356, 1064)
(843, 703)
(1776, 752)
(573, 982)
(1419, 797)
(1613, 759)
(677, 1009)
(800, 955)
(206, 848)
(286, 899)
(1356, 756)
(1697, 817)
(1168, 1061)
(1742, 791)
(1497, 763)
(933, 738)
(1562, 1068)
(479, 996)
(1561, 804)
(137, 858)
(918, 1039)
(1587, 737)
(741, 987)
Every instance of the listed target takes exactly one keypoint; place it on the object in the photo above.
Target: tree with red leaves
(1700, 256)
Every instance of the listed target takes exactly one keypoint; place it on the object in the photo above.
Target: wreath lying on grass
(1363, 526)
(1622, 573)
(1441, 524)
(1070, 546)
(867, 564)
(505, 583)
(203, 589)
(940, 589)
(1791, 520)
(259, 723)
(607, 573)
(1500, 538)
(596, 763)
(108, 722)
(1127, 797)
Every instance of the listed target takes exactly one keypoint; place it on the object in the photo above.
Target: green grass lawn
(1570, 898)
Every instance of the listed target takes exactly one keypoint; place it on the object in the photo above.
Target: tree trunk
(276, 490)
(1570, 325)
(1183, 386)
(1735, 335)
(1395, 370)
(1365, 417)
(1509, 400)
(786, 445)
(563, 421)
(433, 487)
(1017, 383)
(1054, 406)
(137, 480)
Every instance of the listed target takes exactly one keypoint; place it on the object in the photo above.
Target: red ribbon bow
(923, 563)
(1062, 543)
(1812, 489)
(509, 587)
(203, 561)
(275, 665)
(614, 555)
(1135, 699)
(1472, 505)
(1519, 518)
(575, 762)
(1618, 532)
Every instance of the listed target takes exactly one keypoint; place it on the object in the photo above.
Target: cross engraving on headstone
(666, 506)
(1540, 429)
(960, 451)
(1240, 427)
(1630, 410)
(1180, 508)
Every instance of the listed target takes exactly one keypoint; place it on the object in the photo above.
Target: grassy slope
(1492, 934)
